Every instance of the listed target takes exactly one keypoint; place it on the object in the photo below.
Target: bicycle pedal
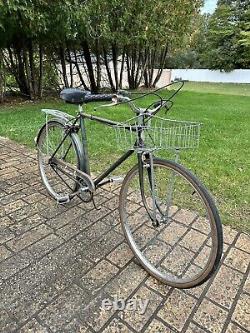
(63, 200)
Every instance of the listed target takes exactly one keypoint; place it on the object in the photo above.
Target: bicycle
(169, 219)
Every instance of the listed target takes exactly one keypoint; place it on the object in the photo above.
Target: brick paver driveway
(52, 281)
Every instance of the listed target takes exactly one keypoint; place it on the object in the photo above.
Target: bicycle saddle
(78, 96)
(74, 95)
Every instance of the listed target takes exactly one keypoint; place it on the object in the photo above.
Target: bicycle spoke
(57, 182)
(173, 249)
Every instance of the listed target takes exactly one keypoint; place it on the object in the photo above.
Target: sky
(209, 6)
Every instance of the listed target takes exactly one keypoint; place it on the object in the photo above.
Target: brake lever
(114, 102)
(105, 106)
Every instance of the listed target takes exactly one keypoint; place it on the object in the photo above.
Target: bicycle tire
(214, 222)
(76, 150)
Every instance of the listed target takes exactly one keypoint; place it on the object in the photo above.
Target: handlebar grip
(98, 97)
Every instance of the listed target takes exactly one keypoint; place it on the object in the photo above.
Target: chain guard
(87, 186)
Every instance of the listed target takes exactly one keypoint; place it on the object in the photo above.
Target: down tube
(113, 166)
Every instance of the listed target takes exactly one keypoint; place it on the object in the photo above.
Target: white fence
(199, 75)
(206, 75)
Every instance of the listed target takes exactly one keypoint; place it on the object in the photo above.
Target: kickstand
(97, 208)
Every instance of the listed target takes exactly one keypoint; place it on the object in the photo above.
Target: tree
(23, 54)
(223, 49)
(30, 30)
(245, 30)
(188, 55)
(37, 36)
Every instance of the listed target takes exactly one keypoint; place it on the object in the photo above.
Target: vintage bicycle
(169, 219)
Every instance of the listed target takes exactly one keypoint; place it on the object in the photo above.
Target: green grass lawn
(221, 162)
(240, 89)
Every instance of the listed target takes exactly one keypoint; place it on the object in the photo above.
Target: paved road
(51, 280)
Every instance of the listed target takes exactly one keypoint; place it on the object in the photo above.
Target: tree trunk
(88, 60)
(162, 63)
(63, 64)
(135, 66)
(153, 62)
(70, 69)
(114, 56)
(79, 72)
(108, 69)
(2, 78)
(98, 65)
(40, 80)
(130, 83)
(30, 71)
(22, 81)
(138, 70)
(122, 69)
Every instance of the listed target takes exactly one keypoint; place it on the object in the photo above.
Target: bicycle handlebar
(97, 98)
(121, 98)
(156, 106)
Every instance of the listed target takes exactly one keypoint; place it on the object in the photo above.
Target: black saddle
(74, 95)
(78, 96)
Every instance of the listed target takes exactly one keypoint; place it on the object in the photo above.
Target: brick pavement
(51, 280)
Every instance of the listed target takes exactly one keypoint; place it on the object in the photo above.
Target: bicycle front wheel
(171, 223)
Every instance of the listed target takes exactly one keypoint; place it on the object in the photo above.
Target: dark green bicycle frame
(99, 181)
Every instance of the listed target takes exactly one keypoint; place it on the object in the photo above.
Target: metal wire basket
(158, 133)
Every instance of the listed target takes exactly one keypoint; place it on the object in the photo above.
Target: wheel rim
(183, 249)
(57, 183)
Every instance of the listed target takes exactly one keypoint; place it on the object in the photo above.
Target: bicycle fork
(170, 189)
(151, 177)
(148, 164)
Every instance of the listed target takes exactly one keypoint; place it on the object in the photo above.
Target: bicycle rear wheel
(58, 183)
(184, 250)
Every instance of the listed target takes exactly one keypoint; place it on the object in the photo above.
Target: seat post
(80, 108)
(86, 167)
